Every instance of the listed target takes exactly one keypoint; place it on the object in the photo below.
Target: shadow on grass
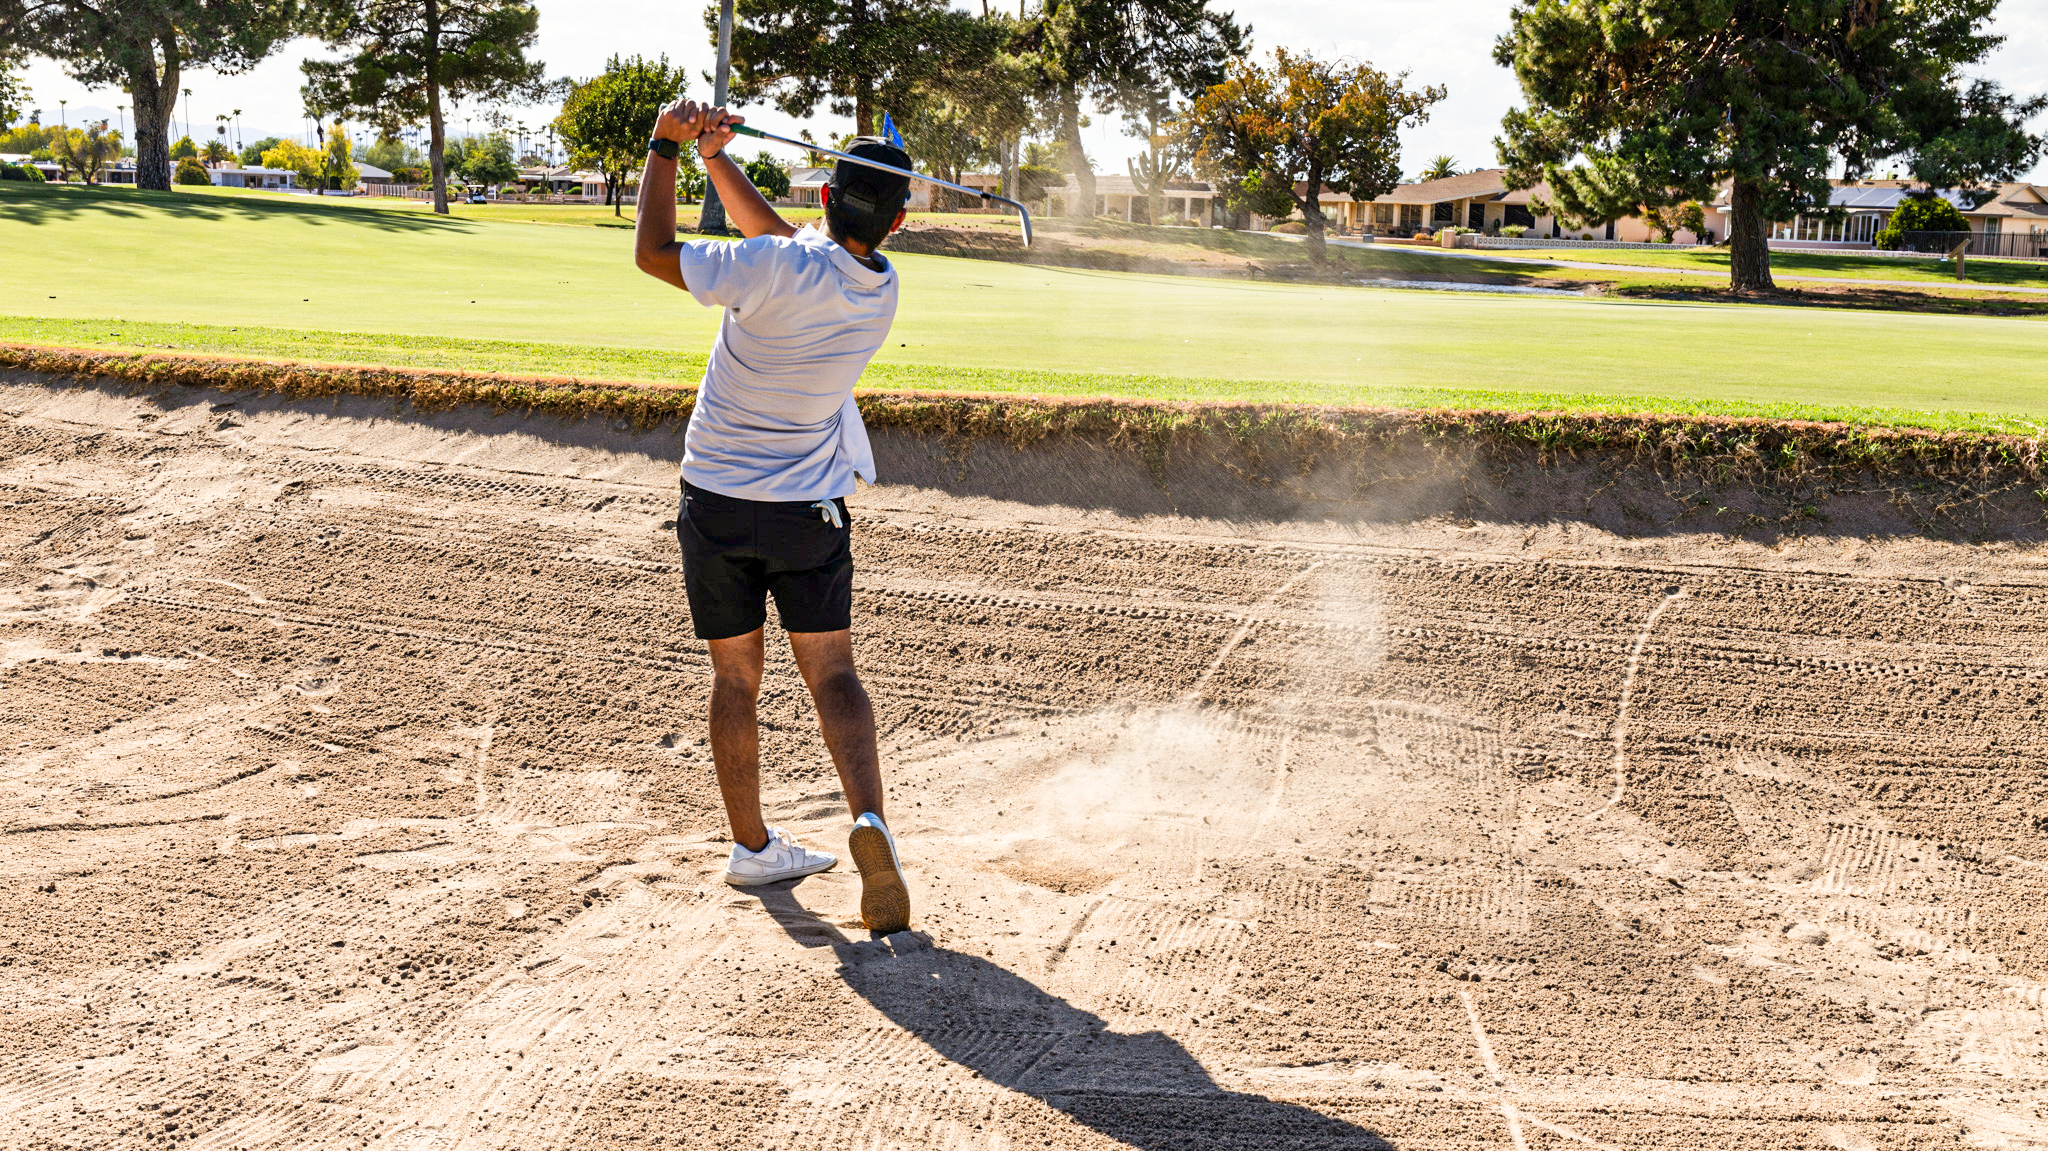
(40, 204)
(1143, 1090)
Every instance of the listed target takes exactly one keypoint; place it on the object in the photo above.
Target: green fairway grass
(308, 266)
(650, 365)
(1843, 265)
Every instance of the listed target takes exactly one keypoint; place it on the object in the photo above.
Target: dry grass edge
(1268, 437)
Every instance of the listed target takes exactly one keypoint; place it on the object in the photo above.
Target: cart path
(1776, 274)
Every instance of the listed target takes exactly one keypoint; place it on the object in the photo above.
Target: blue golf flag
(890, 133)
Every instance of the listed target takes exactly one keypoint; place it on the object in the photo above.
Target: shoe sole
(758, 881)
(884, 900)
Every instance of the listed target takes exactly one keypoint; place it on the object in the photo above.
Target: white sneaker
(884, 900)
(782, 858)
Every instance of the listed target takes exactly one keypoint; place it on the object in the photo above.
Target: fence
(2029, 245)
(1475, 240)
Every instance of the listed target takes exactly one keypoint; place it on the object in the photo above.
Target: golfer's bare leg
(736, 734)
(845, 716)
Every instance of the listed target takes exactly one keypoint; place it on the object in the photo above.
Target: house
(235, 176)
(554, 181)
(1119, 197)
(2011, 220)
(804, 184)
(1478, 200)
(370, 174)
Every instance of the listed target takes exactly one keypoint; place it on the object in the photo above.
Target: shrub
(768, 175)
(1515, 231)
(1292, 228)
(1034, 179)
(1921, 213)
(191, 171)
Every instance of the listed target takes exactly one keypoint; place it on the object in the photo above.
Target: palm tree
(1440, 168)
(238, 129)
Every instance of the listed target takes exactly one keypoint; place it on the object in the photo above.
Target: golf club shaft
(1023, 214)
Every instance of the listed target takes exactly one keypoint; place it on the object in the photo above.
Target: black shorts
(737, 553)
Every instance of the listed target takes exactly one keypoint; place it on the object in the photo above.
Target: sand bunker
(356, 795)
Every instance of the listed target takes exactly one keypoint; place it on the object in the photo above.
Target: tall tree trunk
(1749, 251)
(153, 95)
(1083, 207)
(1311, 204)
(863, 84)
(437, 128)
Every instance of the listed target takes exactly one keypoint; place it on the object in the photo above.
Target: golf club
(1023, 215)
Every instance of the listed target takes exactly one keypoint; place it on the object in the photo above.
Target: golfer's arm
(744, 206)
(655, 249)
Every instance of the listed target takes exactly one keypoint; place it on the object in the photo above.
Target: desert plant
(1515, 231)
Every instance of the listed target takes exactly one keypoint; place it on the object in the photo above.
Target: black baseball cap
(871, 191)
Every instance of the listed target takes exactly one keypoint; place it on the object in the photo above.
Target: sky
(1433, 45)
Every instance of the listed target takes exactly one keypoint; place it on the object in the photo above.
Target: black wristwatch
(666, 149)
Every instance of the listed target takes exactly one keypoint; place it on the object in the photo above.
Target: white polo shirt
(775, 418)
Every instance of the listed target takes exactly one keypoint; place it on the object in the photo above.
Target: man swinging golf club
(769, 459)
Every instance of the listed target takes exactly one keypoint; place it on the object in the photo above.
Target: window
(1382, 213)
(1520, 214)
(1444, 213)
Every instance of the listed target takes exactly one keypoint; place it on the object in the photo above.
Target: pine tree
(411, 57)
(1668, 100)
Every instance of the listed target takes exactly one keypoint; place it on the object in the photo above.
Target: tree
(337, 166)
(184, 149)
(252, 156)
(1108, 50)
(767, 173)
(1305, 124)
(145, 47)
(86, 151)
(191, 171)
(690, 178)
(857, 57)
(1921, 213)
(408, 57)
(607, 120)
(216, 152)
(1440, 168)
(1667, 100)
(1668, 219)
(292, 156)
(1150, 117)
(13, 89)
(391, 153)
(488, 160)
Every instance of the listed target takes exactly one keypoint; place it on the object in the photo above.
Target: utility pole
(712, 218)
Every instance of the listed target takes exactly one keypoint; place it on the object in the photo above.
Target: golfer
(769, 459)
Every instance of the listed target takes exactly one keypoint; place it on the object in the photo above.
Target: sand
(356, 795)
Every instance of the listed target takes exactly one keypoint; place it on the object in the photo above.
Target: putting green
(333, 266)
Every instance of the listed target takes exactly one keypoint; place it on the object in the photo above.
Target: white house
(1120, 197)
(234, 176)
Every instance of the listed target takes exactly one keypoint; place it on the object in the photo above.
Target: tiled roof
(1486, 184)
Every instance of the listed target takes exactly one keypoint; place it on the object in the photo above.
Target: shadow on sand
(1143, 1090)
